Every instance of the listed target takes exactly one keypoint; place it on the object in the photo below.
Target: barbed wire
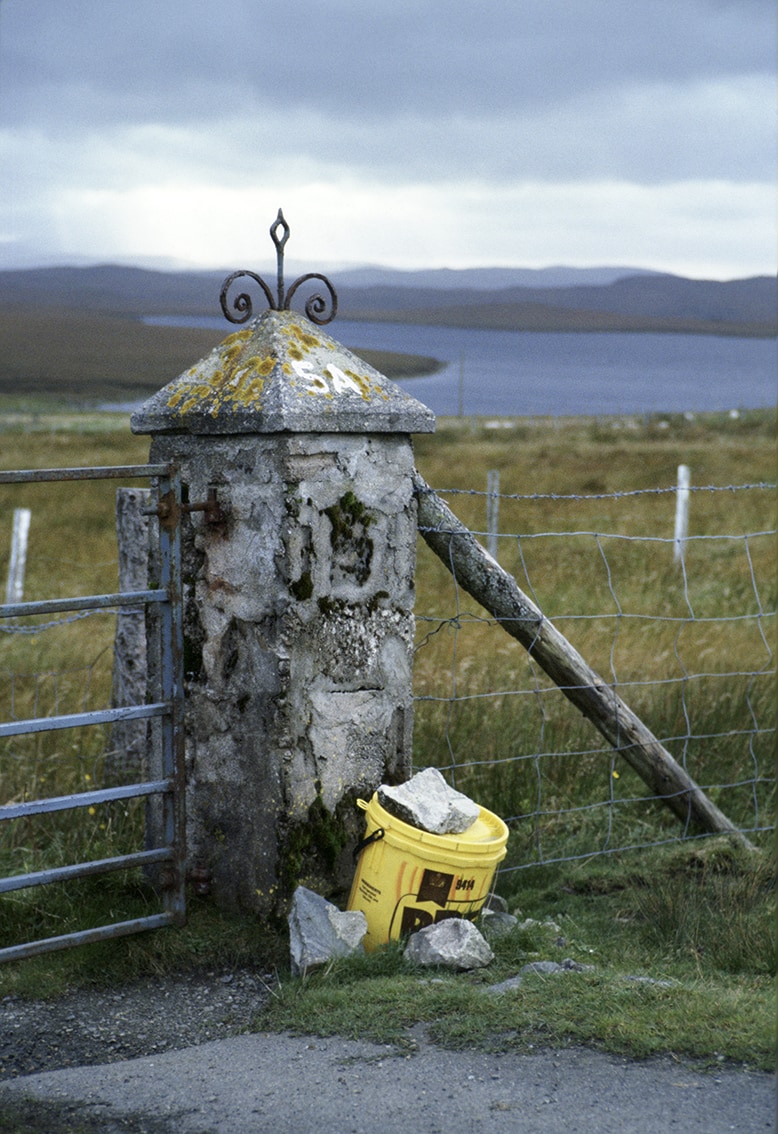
(37, 627)
(625, 848)
(592, 533)
(672, 490)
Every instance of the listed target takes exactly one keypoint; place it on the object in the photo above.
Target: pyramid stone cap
(279, 374)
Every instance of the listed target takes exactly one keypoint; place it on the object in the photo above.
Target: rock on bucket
(428, 853)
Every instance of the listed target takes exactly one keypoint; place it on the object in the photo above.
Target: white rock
(530, 923)
(426, 801)
(319, 931)
(453, 943)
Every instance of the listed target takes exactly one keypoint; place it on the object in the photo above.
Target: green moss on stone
(302, 589)
(352, 547)
(313, 846)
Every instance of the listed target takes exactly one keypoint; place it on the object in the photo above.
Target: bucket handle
(373, 837)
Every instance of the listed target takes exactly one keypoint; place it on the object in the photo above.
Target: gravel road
(171, 1056)
(145, 1018)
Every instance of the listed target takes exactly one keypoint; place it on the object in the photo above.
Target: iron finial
(316, 307)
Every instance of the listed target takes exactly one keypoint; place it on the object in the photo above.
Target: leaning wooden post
(499, 593)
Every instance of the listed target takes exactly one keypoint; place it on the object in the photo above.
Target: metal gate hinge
(213, 511)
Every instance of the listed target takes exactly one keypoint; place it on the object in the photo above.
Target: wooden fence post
(15, 587)
(681, 514)
(125, 759)
(492, 510)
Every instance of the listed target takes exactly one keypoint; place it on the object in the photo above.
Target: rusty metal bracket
(316, 308)
(169, 511)
(213, 511)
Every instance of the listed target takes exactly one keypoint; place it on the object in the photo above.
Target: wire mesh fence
(684, 639)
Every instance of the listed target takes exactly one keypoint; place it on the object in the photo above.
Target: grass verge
(209, 939)
(648, 986)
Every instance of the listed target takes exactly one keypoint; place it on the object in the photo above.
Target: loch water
(525, 373)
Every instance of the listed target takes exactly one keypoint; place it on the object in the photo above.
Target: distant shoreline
(562, 321)
(557, 320)
(116, 356)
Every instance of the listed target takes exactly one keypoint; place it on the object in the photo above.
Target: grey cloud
(635, 138)
(109, 107)
(195, 60)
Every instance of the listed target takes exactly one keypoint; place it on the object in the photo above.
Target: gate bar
(170, 709)
(81, 869)
(133, 472)
(172, 689)
(84, 799)
(83, 602)
(92, 717)
(87, 936)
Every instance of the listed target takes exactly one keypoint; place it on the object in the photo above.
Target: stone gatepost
(299, 588)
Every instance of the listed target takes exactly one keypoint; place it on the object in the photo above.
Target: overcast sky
(432, 133)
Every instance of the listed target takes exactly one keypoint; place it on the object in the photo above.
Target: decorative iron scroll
(318, 308)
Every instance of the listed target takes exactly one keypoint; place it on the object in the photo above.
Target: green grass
(210, 939)
(691, 913)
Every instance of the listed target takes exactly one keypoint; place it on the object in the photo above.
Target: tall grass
(712, 903)
(689, 648)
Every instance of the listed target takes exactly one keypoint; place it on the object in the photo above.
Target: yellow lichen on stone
(294, 330)
(229, 355)
(241, 384)
(262, 366)
(364, 383)
(238, 336)
(186, 398)
(231, 347)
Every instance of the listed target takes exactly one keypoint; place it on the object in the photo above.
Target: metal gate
(169, 787)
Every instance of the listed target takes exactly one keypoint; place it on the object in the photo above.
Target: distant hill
(480, 279)
(643, 302)
(114, 289)
(604, 299)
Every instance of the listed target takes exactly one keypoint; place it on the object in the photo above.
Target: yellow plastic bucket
(406, 879)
